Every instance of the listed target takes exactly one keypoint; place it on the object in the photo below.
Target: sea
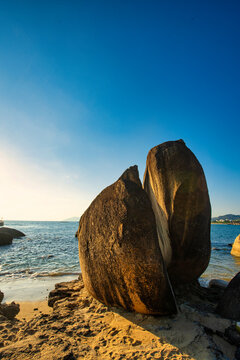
(50, 250)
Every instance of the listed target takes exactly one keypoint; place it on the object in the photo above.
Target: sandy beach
(80, 327)
(31, 309)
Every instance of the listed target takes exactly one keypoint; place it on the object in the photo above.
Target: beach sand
(31, 309)
(80, 327)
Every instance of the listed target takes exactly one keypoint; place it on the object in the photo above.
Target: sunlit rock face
(176, 185)
(136, 245)
(119, 252)
(236, 247)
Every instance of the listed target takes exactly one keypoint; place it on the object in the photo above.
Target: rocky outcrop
(229, 305)
(236, 247)
(135, 243)
(176, 185)
(8, 311)
(7, 235)
(65, 290)
(5, 239)
(12, 232)
(120, 258)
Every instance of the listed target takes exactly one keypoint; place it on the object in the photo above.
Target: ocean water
(222, 264)
(50, 249)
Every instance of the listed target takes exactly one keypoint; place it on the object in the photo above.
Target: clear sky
(88, 87)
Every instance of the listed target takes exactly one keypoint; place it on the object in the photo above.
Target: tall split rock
(134, 244)
(176, 185)
(120, 257)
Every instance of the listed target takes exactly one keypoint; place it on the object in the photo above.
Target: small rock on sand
(9, 310)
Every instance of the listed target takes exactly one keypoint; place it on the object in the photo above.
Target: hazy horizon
(77, 219)
(88, 88)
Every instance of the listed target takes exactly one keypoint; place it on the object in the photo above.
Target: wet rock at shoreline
(176, 185)
(12, 232)
(229, 304)
(5, 239)
(119, 252)
(236, 247)
(217, 283)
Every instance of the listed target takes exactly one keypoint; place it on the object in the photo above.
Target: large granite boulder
(176, 185)
(236, 247)
(120, 258)
(229, 304)
(12, 232)
(5, 239)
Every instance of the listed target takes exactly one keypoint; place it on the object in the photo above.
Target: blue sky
(88, 87)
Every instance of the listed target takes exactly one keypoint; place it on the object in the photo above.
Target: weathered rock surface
(229, 304)
(12, 232)
(176, 185)
(119, 252)
(236, 247)
(64, 290)
(5, 239)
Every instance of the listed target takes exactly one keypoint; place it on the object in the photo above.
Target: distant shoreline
(225, 223)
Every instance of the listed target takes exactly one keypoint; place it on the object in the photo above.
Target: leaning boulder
(176, 185)
(120, 258)
(236, 247)
(12, 232)
(229, 304)
(5, 239)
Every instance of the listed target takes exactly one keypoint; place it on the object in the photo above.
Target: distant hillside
(72, 219)
(226, 217)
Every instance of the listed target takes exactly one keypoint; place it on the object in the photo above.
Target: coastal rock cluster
(137, 243)
(7, 235)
